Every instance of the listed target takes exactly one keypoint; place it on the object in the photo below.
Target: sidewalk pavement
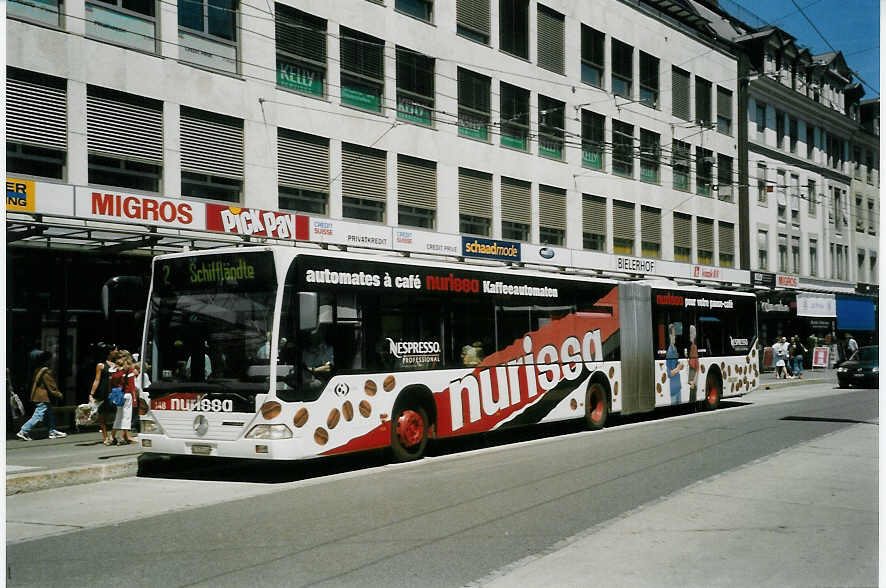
(80, 458)
(773, 523)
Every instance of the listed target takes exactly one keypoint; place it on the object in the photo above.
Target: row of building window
(789, 259)
(832, 147)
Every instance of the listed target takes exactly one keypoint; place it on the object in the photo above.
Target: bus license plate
(201, 449)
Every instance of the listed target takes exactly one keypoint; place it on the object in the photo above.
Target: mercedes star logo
(201, 425)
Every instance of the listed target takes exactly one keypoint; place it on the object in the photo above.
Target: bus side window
(470, 329)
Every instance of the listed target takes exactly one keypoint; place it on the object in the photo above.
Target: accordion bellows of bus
(294, 353)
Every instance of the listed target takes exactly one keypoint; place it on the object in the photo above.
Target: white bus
(292, 353)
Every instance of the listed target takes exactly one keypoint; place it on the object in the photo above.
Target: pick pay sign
(259, 223)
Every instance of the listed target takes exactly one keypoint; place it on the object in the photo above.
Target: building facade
(607, 135)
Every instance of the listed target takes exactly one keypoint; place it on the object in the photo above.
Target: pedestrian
(797, 353)
(42, 387)
(851, 345)
(123, 377)
(101, 387)
(781, 355)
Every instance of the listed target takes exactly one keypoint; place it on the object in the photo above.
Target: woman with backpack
(42, 387)
(101, 388)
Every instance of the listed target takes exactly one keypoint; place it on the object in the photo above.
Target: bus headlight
(269, 432)
(148, 426)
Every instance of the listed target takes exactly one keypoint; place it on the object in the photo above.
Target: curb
(789, 383)
(45, 479)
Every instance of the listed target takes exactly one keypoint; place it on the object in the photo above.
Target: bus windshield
(209, 324)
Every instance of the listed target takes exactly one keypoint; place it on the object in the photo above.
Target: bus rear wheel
(596, 407)
(409, 433)
(713, 392)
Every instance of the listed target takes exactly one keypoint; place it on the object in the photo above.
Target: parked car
(862, 369)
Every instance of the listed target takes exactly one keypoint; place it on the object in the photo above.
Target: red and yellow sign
(20, 195)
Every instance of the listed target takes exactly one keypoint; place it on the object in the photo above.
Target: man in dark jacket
(42, 386)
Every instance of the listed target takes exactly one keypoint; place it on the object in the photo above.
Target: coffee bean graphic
(347, 409)
(365, 408)
(321, 436)
(301, 417)
(333, 417)
(370, 388)
(389, 383)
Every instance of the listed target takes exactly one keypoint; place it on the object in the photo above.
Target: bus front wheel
(713, 391)
(596, 407)
(409, 433)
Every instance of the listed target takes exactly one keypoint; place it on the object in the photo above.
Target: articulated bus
(288, 353)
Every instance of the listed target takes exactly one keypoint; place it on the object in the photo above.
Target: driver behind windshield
(317, 361)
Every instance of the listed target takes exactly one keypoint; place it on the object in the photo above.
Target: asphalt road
(474, 507)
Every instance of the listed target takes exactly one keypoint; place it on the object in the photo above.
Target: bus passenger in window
(472, 354)
(693, 364)
(673, 364)
(317, 361)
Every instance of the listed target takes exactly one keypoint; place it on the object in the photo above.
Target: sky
(850, 26)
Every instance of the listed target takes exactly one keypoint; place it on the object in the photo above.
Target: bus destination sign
(234, 271)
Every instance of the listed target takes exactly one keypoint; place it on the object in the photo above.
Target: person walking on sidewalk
(781, 357)
(42, 386)
(101, 387)
(797, 353)
(124, 377)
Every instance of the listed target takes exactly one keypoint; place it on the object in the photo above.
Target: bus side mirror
(308, 311)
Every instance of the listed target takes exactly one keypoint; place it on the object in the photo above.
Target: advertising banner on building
(480, 248)
(634, 265)
(786, 281)
(39, 197)
(763, 279)
(92, 203)
(816, 305)
(336, 232)
(426, 242)
(546, 255)
(820, 357)
(257, 223)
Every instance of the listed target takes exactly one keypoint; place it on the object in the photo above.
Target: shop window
(301, 51)
(473, 104)
(362, 70)
(415, 87)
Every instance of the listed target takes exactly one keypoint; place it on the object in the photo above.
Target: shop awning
(855, 314)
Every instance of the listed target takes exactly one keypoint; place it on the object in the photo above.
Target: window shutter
(300, 34)
(515, 201)
(473, 15)
(302, 161)
(623, 220)
(593, 214)
(211, 143)
(724, 103)
(705, 229)
(362, 55)
(680, 84)
(416, 182)
(36, 113)
(552, 207)
(364, 172)
(125, 126)
(727, 238)
(474, 193)
(650, 224)
(550, 40)
(702, 100)
(682, 230)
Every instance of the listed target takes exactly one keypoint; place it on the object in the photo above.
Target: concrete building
(813, 187)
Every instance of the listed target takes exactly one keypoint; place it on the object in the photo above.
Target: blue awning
(855, 314)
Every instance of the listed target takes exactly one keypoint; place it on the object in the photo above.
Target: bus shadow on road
(281, 472)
